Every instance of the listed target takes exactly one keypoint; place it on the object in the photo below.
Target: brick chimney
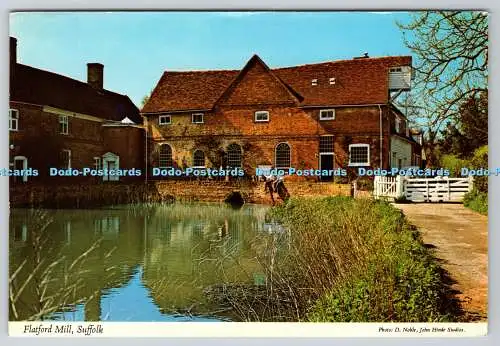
(13, 55)
(95, 73)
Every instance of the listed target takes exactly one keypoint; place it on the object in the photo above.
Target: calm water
(133, 263)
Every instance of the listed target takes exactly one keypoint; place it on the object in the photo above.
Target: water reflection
(152, 263)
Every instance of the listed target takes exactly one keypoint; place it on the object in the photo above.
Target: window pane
(165, 156)
(283, 156)
(359, 154)
(262, 116)
(326, 144)
(234, 155)
(197, 118)
(199, 158)
(164, 119)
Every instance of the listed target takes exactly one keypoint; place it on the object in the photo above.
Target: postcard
(248, 174)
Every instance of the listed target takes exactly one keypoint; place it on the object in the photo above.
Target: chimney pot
(95, 75)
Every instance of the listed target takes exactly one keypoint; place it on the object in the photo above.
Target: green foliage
(477, 201)
(360, 261)
(453, 163)
(480, 160)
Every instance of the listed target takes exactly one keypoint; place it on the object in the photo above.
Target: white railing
(422, 189)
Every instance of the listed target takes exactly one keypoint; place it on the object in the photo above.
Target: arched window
(234, 155)
(199, 158)
(165, 156)
(282, 157)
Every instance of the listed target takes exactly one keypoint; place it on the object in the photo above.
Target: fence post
(399, 186)
(449, 189)
(471, 182)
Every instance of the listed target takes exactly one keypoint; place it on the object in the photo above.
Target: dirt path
(459, 237)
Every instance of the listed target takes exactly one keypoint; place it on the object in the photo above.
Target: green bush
(480, 160)
(477, 201)
(358, 260)
(454, 164)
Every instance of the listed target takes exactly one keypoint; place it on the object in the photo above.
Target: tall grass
(347, 260)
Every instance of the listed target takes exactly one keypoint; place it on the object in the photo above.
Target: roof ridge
(342, 61)
(361, 59)
(72, 79)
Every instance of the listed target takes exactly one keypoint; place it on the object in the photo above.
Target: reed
(343, 259)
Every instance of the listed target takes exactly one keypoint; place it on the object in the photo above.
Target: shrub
(480, 160)
(477, 201)
(453, 163)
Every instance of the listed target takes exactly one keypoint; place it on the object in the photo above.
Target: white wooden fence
(437, 189)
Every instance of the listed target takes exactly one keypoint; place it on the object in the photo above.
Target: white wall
(400, 149)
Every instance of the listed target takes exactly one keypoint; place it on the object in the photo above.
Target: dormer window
(327, 114)
(314, 82)
(165, 119)
(261, 116)
(197, 118)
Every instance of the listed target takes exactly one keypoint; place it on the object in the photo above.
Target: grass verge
(355, 260)
(477, 201)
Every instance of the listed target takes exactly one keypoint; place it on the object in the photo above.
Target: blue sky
(136, 47)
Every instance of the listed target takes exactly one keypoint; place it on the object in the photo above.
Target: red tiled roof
(357, 81)
(192, 90)
(41, 87)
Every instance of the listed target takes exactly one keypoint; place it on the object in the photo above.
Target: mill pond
(136, 262)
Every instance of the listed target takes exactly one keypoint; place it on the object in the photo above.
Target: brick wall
(88, 196)
(300, 128)
(39, 139)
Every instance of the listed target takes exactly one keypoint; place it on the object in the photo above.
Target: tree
(473, 116)
(463, 138)
(451, 65)
(146, 98)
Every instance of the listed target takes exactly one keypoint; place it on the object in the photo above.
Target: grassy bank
(477, 201)
(352, 260)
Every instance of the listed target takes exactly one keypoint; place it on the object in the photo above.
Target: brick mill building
(56, 121)
(324, 115)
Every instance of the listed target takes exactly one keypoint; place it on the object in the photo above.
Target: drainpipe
(381, 137)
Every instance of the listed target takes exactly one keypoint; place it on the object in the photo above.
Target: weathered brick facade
(231, 119)
(92, 135)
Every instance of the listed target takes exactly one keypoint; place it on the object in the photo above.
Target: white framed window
(332, 81)
(326, 144)
(66, 158)
(165, 119)
(327, 114)
(359, 155)
(261, 116)
(314, 82)
(63, 124)
(97, 162)
(197, 118)
(13, 120)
